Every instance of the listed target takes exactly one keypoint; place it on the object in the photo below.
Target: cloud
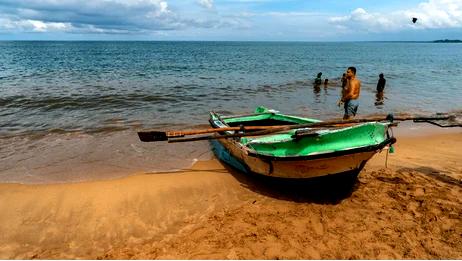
(206, 3)
(33, 26)
(434, 14)
(362, 20)
(439, 14)
(96, 16)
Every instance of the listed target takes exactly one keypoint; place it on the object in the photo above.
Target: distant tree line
(447, 41)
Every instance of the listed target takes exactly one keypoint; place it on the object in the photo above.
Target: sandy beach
(411, 209)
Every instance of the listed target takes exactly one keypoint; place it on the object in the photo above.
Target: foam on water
(76, 157)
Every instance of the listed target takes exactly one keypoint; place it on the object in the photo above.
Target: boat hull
(230, 152)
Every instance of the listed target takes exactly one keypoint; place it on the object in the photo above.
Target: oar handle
(211, 130)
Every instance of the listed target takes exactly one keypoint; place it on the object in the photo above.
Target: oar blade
(442, 120)
(150, 136)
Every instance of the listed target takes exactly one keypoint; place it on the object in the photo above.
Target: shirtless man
(351, 94)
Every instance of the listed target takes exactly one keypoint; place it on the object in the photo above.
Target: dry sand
(410, 210)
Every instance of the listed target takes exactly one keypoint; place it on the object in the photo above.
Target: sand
(410, 210)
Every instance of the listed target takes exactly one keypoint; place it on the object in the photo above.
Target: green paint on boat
(283, 145)
(322, 141)
(268, 116)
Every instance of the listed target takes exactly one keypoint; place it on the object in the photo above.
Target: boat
(298, 153)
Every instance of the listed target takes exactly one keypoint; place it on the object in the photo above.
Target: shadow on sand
(436, 174)
(323, 190)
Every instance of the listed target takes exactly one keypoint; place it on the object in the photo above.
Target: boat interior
(264, 122)
(268, 119)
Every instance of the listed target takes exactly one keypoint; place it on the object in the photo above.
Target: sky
(231, 20)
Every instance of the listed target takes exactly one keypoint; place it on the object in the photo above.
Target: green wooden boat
(298, 152)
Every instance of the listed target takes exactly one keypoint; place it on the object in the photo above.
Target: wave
(76, 102)
(107, 126)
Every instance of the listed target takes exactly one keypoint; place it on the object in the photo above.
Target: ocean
(69, 111)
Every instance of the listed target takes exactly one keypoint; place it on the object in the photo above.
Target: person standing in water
(344, 81)
(380, 88)
(350, 94)
(318, 79)
(381, 83)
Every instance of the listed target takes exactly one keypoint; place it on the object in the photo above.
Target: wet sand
(410, 210)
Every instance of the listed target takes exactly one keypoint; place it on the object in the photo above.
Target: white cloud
(433, 14)
(439, 13)
(109, 16)
(33, 26)
(40, 26)
(206, 3)
(96, 16)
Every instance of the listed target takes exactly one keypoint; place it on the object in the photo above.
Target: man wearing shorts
(351, 94)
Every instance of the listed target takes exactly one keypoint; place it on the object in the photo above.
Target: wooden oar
(149, 136)
(165, 135)
(225, 136)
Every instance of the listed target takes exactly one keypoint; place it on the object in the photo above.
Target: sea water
(69, 111)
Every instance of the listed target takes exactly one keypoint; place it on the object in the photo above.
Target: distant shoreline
(447, 41)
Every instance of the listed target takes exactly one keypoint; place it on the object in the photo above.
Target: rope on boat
(390, 148)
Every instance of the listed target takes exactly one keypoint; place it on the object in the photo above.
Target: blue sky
(235, 20)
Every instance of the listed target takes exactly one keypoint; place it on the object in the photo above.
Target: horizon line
(280, 41)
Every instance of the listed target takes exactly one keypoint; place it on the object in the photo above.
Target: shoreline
(410, 210)
(81, 158)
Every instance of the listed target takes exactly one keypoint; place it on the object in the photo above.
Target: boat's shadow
(325, 190)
